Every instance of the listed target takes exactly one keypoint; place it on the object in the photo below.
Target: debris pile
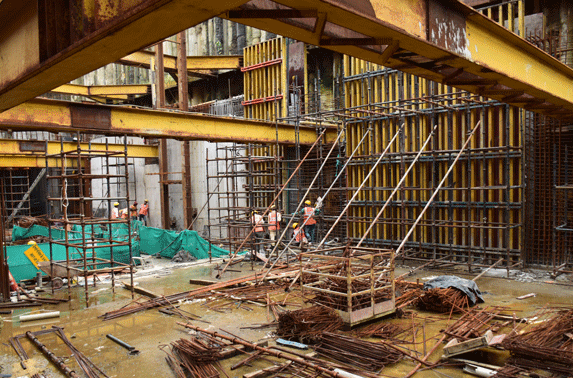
(548, 346)
(306, 325)
(194, 357)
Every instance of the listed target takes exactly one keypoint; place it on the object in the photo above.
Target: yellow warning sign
(35, 255)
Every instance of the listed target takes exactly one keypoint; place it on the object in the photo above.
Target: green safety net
(22, 268)
(168, 243)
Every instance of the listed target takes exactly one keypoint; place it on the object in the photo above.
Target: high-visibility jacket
(114, 213)
(274, 219)
(298, 235)
(308, 214)
(144, 209)
(257, 219)
(133, 211)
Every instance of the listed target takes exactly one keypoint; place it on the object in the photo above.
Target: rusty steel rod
(51, 356)
(274, 353)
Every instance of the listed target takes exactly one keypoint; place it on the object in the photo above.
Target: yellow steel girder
(116, 92)
(195, 64)
(23, 153)
(442, 40)
(64, 116)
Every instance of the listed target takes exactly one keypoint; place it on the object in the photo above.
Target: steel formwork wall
(477, 216)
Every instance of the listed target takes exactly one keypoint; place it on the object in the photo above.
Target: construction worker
(308, 212)
(115, 211)
(298, 236)
(275, 218)
(257, 222)
(133, 211)
(144, 211)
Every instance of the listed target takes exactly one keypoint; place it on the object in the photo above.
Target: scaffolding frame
(74, 207)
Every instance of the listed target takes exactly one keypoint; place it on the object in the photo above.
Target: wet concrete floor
(149, 330)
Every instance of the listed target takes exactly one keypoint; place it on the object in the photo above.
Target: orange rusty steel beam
(65, 116)
(428, 38)
(40, 51)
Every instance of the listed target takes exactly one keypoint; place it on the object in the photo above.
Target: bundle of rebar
(365, 355)
(27, 222)
(382, 330)
(195, 357)
(307, 324)
(547, 345)
(509, 371)
(442, 300)
(473, 323)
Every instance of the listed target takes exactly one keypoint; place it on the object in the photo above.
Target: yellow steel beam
(64, 116)
(116, 92)
(442, 40)
(24, 153)
(37, 56)
(432, 39)
(195, 64)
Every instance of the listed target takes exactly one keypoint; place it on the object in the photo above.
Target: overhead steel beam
(116, 92)
(429, 38)
(44, 45)
(195, 64)
(432, 39)
(64, 116)
(25, 153)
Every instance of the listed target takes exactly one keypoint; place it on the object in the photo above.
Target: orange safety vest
(298, 235)
(274, 225)
(133, 211)
(257, 219)
(144, 210)
(115, 213)
(308, 214)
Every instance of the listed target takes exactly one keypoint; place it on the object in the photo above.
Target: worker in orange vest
(298, 235)
(257, 222)
(133, 211)
(308, 213)
(275, 218)
(144, 212)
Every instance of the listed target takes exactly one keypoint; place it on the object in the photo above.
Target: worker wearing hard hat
(298, 235)
(115, 211)
(308, 212)
(144, 212)
(275, 218)
(133, 211)
(257, 222)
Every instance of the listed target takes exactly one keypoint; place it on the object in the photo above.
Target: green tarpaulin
(22, 268)
(168, 243)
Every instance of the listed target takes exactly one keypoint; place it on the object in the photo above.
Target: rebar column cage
(360, 287)
(92, 245)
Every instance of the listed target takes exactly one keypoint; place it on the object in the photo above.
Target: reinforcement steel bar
(52, 357)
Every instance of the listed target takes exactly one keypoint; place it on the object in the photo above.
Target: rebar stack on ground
(195, 357)
(509, 371)
(473, 323)
(448, 300)
(548, 345)
(307, 324)
(365, 355)
(382, 330)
